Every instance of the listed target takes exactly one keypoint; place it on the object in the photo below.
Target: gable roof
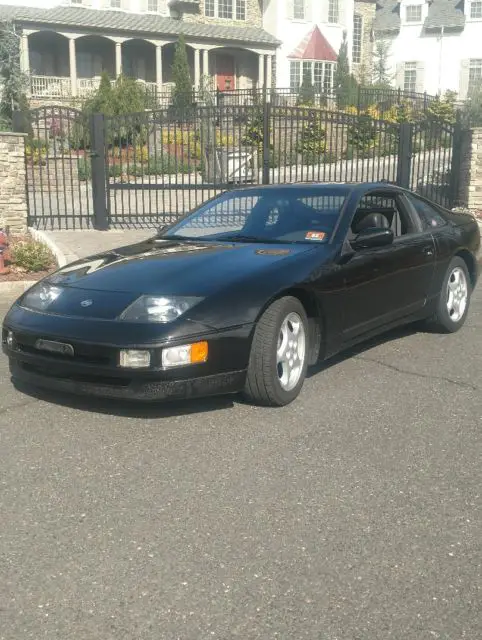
(387, 16)
(445, 13)
(314, 46)
(441, 13)
(123, 21)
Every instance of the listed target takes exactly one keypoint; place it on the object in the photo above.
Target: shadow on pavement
(128, 409)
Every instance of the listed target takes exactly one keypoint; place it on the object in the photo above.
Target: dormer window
(413, 13)
(476, 10)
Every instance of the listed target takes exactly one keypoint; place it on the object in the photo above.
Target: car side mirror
(371, 238)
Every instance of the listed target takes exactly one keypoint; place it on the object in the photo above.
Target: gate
(58, 167)
(144, 170)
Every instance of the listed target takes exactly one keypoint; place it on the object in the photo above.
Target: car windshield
(287, 214)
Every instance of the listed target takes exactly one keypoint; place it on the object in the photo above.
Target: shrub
(362, 137)
(31, 256)
(306, 95)
(311, 143)
(442, 110)
(182, 94)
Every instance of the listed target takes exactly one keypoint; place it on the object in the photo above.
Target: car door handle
(428, 251)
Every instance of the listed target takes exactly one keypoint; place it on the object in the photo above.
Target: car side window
(384, 210)
(430, 217)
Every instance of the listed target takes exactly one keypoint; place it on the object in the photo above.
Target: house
(311, 33)
(66, 48)
(432, 46)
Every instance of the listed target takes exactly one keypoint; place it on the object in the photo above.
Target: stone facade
(363, 69)
(13, 188)
(470, 182)
(254, 16)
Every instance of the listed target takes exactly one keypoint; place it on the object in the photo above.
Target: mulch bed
(18, 275)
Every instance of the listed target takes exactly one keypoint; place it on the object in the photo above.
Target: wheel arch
(316, 318)
(469, 260)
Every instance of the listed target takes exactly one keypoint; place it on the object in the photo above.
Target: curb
(62, 255)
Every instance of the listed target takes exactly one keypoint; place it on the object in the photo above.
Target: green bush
(31, 256)
(361, 137)
(311, 144)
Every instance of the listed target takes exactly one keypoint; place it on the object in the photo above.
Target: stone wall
(254, 16)
(470, 181)
(363, 70)
(13, 190)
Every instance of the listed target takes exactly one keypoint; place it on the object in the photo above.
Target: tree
(306, 95)
(381, 74)
(345, 83)
(14, 83)
(182, 92)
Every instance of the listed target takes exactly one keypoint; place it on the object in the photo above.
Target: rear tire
(279, 354)
(454, 300)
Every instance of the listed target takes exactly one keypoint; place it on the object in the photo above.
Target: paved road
(353, 514)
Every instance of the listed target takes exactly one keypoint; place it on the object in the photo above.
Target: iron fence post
(456, 162)
(97, 154)
(266, 140)
(404, 164)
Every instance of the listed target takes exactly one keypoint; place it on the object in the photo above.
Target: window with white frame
(76, 1)
(356, 50)
(476, 9)
(227, 9)
(298, 9)
(153, 6)
(320, 73)
(475, 76)
(410, 77)
(333, 11)
(413, 13)
(115, 4)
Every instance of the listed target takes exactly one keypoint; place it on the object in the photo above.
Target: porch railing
(50, 87)
(61, 87)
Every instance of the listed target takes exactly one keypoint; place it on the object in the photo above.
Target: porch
(65, 67)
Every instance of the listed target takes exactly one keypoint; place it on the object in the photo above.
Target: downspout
(440, 61)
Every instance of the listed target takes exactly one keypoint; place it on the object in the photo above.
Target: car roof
(341, 186)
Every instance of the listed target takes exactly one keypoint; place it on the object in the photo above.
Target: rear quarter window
(430, 217)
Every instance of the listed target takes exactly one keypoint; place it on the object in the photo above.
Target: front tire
(454, 300)
(279, 354)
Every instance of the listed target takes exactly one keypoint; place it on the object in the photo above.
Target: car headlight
(41, 296)
(158, 309)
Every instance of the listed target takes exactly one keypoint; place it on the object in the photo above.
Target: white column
(73, 67)
(24, 57)
(197, 69)
(118, 59)
(261, 71)
(269, 72)
(159, 67)
(206, 62)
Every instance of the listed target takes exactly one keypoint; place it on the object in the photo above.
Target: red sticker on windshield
(315, 235)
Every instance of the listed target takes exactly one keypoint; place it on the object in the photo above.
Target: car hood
(174, 268)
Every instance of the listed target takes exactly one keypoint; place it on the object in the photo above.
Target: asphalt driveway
(353, 514)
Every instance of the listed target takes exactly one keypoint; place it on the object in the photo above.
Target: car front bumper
(94, 369)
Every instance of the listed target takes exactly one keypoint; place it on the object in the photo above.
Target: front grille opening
(78, 377)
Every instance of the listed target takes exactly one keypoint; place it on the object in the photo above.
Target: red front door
(225, 72)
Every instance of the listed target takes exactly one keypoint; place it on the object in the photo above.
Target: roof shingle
(119, 21)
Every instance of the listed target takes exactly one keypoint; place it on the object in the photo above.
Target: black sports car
(245, 293)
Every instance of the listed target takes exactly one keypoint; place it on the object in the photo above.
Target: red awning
(314, 46)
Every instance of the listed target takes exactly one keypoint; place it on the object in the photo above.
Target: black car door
(385, 284)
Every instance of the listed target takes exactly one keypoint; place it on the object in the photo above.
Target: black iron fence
(146, 169)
